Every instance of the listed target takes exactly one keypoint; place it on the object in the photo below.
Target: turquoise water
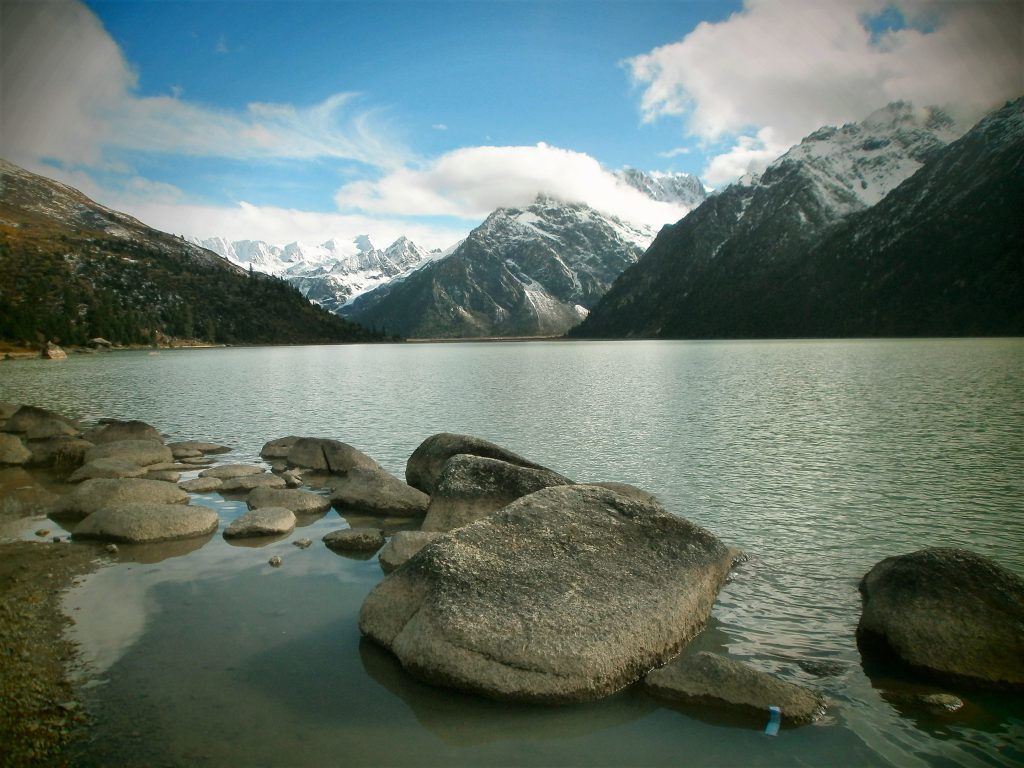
(816, 458)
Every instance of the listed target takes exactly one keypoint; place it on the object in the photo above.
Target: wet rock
(355, 539)
(948, 612)
(706, 679)
(278, 449)
(201, 484)
(192, 448)
(402, 545)
(12, 450)
(225, 471)
(248, 482)
(302, 543)
(424, 466)
(95, 494)
(29, 417)
(567, 594)
(377, 492)
(141, 452)
(113, 431)
(275, 561)
(109, 468)
(944, 702)
(147, 523)
(331, 456)
(267, 521)
(299, 502)
(471, 487)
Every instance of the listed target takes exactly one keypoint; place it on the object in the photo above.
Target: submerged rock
(112, 431)
(567, 594)
(377, 492)
(471, 487)
(402, 545)
(98, 493)
(141, 452)
(298, 501)
(355, 539)
(706, 679)
(266, 521)
(423, 469)
(949, 612)
(147, 523)
(110, 468)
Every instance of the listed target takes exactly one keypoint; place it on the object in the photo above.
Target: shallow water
(816, 458)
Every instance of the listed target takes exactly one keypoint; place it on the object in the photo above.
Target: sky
(306, 120)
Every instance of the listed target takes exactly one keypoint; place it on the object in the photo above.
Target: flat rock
(201, 484)
(950, 613)
(567, 594)
(109, 468)
(98, 493)
(355, 539)
(266, 521)
(147, 523)
(190, 447)
(278, 449)
(331, 456)
(12, 450)
(232, 470)
(29, 417)
(707, 679)
(377, 492)
(167, 475)
(248, 482)
(141, 452)
(113, 431)
(299, 502)
(402, 545)
(423, 469)
(471, 487)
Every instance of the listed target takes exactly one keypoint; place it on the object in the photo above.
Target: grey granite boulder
(141, 523)
(12, 450)
(30, 418)
(471, 487)
(567, 594)
(246, 483)
(709, 680)
(278, 449)
(377, 492)
(355, 539)
(298, 501)
(402, 545)
(141, 452)
(948, 612)
(331, 456)
(201, 484)
(232, 470)
(92, 495)
(112, 431)
(190, 448)
(111, 468)
(64, 453)
(424, 466)
(266, 521)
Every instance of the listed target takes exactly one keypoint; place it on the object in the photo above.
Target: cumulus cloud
(469, 183)
(67, 94)
(793, 66)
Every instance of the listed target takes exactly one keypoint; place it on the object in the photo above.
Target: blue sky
(305, 120)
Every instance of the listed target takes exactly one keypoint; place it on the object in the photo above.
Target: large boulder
(471, 487)
(267, 521)
(377, 492)
(331, 456)
(98, 493)
(30, 418)
(113, 430)
(948, 612)
(147, 523)
(278, 449)
(141, 452)
(567, 594)
(12, 450)
(298, 501)
(64, 453)
(111, 468)
(708, 680)
(402, 545)
(423, 468)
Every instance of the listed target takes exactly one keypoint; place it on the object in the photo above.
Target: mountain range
(884, 227)
(74, 270)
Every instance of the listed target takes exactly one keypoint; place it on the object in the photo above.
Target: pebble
(303, 543)
(42, 533)
(112, 549)
(275, 561)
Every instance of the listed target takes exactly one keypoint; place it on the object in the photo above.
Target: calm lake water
(816, 458)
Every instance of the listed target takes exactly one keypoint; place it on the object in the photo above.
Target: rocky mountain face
(532, 271)
(666, 187)
(850, 232)
(75, 270)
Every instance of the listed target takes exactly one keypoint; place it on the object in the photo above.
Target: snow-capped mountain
(840, 236)
(332, 273)
(528, 271)
(681, 188)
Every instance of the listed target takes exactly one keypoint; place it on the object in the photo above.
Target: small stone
(303, 543)
(942, 701)
(355, 539)
(42, 533)
(112, 549)
(275, 561)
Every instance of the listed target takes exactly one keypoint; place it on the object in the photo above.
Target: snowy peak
(682, 188)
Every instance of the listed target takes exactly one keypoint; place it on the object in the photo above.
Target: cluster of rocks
(511, 580)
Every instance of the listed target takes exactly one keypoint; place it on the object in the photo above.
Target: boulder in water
(377, 492)
(141, 523)
(266, 521)
(424, 466)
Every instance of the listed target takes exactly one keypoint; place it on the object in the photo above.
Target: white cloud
(750, 154)
(471, 182)
(66, 93)
(795, 65)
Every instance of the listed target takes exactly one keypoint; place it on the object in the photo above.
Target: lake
(817, 458)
